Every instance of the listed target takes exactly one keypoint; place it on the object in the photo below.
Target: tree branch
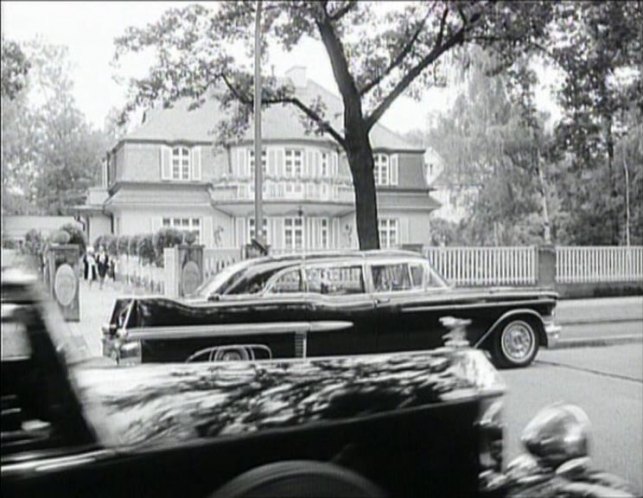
(438, 49)
(309, 112)
(342, 11)
(400, 56)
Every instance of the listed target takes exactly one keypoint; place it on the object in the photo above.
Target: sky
(88, 30)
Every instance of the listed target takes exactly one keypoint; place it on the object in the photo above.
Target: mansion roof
(279, 122)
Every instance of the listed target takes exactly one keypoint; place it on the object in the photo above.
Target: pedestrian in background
(89, 260)
(102, 263)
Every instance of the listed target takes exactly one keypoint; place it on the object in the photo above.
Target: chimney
(297, 75)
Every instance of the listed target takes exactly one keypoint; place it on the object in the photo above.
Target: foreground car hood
(170, 403)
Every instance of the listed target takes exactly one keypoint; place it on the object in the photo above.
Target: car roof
(336, 256)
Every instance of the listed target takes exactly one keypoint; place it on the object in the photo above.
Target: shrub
(59, 237)
(76, 236)
(108, 241)
(34, 243)
(122, 244)
(166, 237)
(132, 248)
(189, 237)
(146, 248)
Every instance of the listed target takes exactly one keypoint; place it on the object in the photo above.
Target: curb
(601, 341)
(600, 322)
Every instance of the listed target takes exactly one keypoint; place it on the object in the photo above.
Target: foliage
(377, 53)
(132, 248)
(109, 242)
(146, 248)
(189, 237)
(601, 58)
(122, 244)
(59, 237)
(15, 67)
(76, 236)
(34, 242)
(50, 155)
(166, 237)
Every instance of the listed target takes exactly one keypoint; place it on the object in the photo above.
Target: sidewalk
(600, 310)
(95, 309)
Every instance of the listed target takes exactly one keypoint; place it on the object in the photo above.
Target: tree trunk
(627, 199)
(544, 201)
(360, 160)
(609, 142)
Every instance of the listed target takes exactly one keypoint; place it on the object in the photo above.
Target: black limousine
(356, 302)
(396, 425)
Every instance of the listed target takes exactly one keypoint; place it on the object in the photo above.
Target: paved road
(607, 382)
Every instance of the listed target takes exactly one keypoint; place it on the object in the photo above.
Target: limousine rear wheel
(516, 344)
(299, 478)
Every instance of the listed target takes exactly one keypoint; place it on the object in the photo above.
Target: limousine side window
(288, 283)
(391, 277)
(335, 280)
(417, 276)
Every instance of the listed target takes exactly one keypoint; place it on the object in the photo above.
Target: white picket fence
(214, 260)
(599, 264)
(134, 273)
(473, 266)
(485, 265)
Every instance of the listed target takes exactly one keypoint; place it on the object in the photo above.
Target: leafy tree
(15, 67)
(376, 53)
(50, 155)
(600, 50)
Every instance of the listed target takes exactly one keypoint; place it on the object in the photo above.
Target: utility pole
(257, 116)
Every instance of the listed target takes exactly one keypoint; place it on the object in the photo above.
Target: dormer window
(180, 163)
(385, 169)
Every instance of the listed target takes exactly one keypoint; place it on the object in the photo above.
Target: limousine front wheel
(516, 344)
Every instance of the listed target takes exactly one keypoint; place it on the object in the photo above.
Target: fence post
(190, 268)
(171, 264)
(546, 262)
(62, 265)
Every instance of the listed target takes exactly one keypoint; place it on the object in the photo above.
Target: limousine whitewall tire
(516, 344)
(299, 478)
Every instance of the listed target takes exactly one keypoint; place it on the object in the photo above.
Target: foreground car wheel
(515, 345)
(299, 479)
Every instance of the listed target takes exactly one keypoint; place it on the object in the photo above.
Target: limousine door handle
(383, 300)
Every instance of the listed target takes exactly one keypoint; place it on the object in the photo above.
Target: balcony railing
(324, 189)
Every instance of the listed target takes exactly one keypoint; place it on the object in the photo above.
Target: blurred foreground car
(424, 424)
(355, 302)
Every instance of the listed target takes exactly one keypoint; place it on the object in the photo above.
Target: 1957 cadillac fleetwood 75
(328, 304)
(405, 424)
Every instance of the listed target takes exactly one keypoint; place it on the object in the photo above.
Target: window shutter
(206, 231)
(242, 161)
(272, 161)
(196, 163)
(394, 169)
(166, 162)
(279, 167)
(333, 164)
(309, 168)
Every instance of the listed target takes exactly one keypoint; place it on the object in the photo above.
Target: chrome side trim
(472, 305)
(234, 329)
(511, 313)
(53, 463)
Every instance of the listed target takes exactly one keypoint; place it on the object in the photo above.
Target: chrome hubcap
(518, 341)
